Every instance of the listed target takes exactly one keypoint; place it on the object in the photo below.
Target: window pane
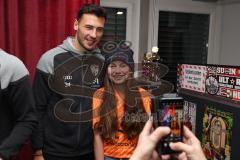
(182, 38)
(115, 26)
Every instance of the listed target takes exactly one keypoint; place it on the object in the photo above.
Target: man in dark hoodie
(17, 114)
(66, 76)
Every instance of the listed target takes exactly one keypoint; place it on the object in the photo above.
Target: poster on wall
(192, 77)
(189, 118)
(223, 81)
(217, 133)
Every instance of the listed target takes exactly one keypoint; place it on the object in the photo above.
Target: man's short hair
(92, 9)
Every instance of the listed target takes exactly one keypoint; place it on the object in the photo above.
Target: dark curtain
(28, 28)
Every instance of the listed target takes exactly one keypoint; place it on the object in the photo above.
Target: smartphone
(171, 114)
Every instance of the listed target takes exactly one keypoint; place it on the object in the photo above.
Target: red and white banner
(192, 77)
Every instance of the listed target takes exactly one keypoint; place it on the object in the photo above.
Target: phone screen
(171, 115)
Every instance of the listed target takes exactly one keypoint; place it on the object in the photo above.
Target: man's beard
(81, 44)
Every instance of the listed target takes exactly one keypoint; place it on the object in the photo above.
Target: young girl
(120, 109)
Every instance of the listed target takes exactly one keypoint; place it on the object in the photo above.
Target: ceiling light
(119, 12)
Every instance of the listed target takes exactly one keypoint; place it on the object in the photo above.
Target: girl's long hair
(132, 123)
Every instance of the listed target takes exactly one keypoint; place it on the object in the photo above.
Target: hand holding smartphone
(171, 115)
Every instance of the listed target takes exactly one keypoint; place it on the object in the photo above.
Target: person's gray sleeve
(19, 97)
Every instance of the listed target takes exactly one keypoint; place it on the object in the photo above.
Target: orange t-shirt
(121, 146)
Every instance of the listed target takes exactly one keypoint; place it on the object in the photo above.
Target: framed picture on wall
(189, 117)
(217, 133)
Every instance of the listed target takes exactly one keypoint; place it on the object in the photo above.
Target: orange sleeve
(96, 103)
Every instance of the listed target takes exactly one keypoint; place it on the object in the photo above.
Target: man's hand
(148, 141)
(191, 147)
(38, 158)
(38, 155)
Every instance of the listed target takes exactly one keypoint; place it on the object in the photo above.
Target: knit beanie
(124, 55)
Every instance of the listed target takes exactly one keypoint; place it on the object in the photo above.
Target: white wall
(224, 33)
(230, 33)
(143, 30)
(190, 7)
